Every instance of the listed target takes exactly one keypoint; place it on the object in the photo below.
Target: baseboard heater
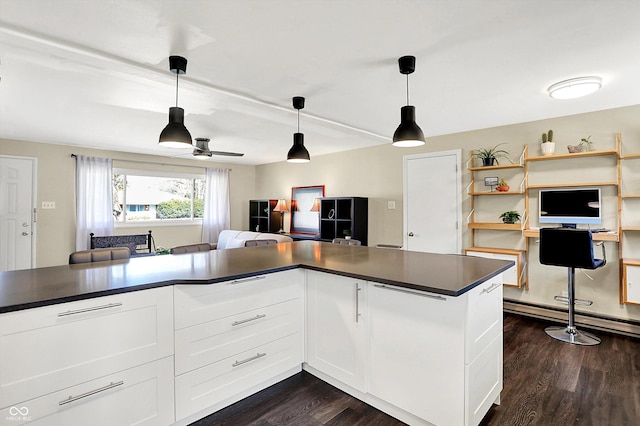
(593, 321)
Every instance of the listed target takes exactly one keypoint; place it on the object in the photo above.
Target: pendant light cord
(298, 121)
(177, 75)
(407, 89)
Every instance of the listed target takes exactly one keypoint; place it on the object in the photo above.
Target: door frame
(405, 159)
(34, 197)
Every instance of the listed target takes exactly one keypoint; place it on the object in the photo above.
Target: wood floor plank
(546, 382)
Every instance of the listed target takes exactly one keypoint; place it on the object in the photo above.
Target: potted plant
(511, 216)
(585, 145)
(502, 186)
(548, 146)
(489, 156)
(347, 234)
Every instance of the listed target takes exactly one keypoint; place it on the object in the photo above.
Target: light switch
(391, 205)
(48, 205)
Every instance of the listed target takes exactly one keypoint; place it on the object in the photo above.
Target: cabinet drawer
(197, 304)
(54, 347)
(213, 341)
(484, 317)
(209, 385)
(484, 382)
(514, 276)
(141, 395)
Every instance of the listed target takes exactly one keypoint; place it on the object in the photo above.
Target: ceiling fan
(201, 150)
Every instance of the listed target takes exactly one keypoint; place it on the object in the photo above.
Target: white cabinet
(515, 276)
(631, 281)
(142, 395)
(233, 337)
(336, 327)
(436, 357)
(44, 350)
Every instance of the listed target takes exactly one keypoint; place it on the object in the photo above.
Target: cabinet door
(417, 352)
(336, 327)
(142, 395)
(632, 283)
(510, 277)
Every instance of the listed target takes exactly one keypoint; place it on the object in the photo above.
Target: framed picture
(305, 211)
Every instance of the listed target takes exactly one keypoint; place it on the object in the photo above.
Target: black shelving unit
(338, 214)
(262, 218)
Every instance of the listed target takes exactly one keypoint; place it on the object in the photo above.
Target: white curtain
(94, 199)
(216, 204)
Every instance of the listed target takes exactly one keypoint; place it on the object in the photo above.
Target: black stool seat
(571, 248)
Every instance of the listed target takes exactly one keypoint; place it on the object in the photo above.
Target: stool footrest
(581, 302)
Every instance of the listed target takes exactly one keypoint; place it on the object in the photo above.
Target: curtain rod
(154, 163)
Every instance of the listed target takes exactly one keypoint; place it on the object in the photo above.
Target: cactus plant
(547, 137)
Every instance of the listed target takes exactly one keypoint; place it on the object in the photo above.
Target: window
(141, 196)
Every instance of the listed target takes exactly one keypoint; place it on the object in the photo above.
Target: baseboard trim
(596, 322)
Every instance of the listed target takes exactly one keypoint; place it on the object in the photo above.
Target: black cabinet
(262, 218)
(340, 214)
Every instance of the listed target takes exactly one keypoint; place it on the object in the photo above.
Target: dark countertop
(450, 275)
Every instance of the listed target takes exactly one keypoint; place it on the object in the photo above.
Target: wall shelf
(571, 185)
(613, 152)
(599, 236)
(497, 193)
(496, 226)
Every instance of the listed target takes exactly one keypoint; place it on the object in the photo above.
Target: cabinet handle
(416, 293)
(244, 361)
(490, 289)
(357, 289)
(93, 392)
(257, 317)
(245, 280)
(94, 308)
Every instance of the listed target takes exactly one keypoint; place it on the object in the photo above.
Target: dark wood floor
(546, 382)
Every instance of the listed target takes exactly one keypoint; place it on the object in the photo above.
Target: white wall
(376, 173)
(55, 229)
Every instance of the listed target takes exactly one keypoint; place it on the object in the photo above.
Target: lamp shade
(298, 153)
(175, 135)
(316, 205)
(281, 206)
(408, 133)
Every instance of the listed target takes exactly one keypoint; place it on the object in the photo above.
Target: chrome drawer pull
(95, 308)
(93, 392)
(244, 361)
(257, 317)
(490, 289)
(430, 296)
(244, 280)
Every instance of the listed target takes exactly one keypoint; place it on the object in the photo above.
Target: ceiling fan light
(175, 135)
(408, 133)
(575, 87)
(298, 153)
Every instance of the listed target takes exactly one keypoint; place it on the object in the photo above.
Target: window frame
(159, 174)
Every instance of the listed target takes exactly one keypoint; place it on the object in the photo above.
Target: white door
(17, 241)
(432, 202)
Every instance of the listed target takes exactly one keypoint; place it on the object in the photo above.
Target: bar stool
(571, 248)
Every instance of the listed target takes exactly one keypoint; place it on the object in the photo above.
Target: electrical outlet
(391, 205)
(48, 205)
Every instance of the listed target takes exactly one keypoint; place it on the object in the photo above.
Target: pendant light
(175, 135)
(298, 153)
(408, 134)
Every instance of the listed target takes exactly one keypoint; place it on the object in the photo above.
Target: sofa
(230, 238)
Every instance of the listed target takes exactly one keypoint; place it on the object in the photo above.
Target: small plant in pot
(511, 216)
(502, 186)
(489, 156)
(548, 146)
(347, 234)
(585, 145)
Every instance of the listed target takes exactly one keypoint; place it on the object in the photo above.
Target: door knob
(25, 234)
(411, 234)
(25, 225)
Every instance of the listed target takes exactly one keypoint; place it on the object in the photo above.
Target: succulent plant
(547, 137)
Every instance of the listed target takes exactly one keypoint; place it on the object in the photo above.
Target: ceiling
(94, 73)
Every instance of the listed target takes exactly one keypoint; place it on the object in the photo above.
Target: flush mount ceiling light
(575, 87)
(298, 153)
(175, 135)
(408, 134)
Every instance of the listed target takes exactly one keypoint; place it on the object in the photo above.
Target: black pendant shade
(298, 153)
(408, 133)
(175, 134)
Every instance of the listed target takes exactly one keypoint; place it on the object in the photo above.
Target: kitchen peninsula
(170, 339)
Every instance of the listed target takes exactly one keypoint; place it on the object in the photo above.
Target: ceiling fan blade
(228, 154)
